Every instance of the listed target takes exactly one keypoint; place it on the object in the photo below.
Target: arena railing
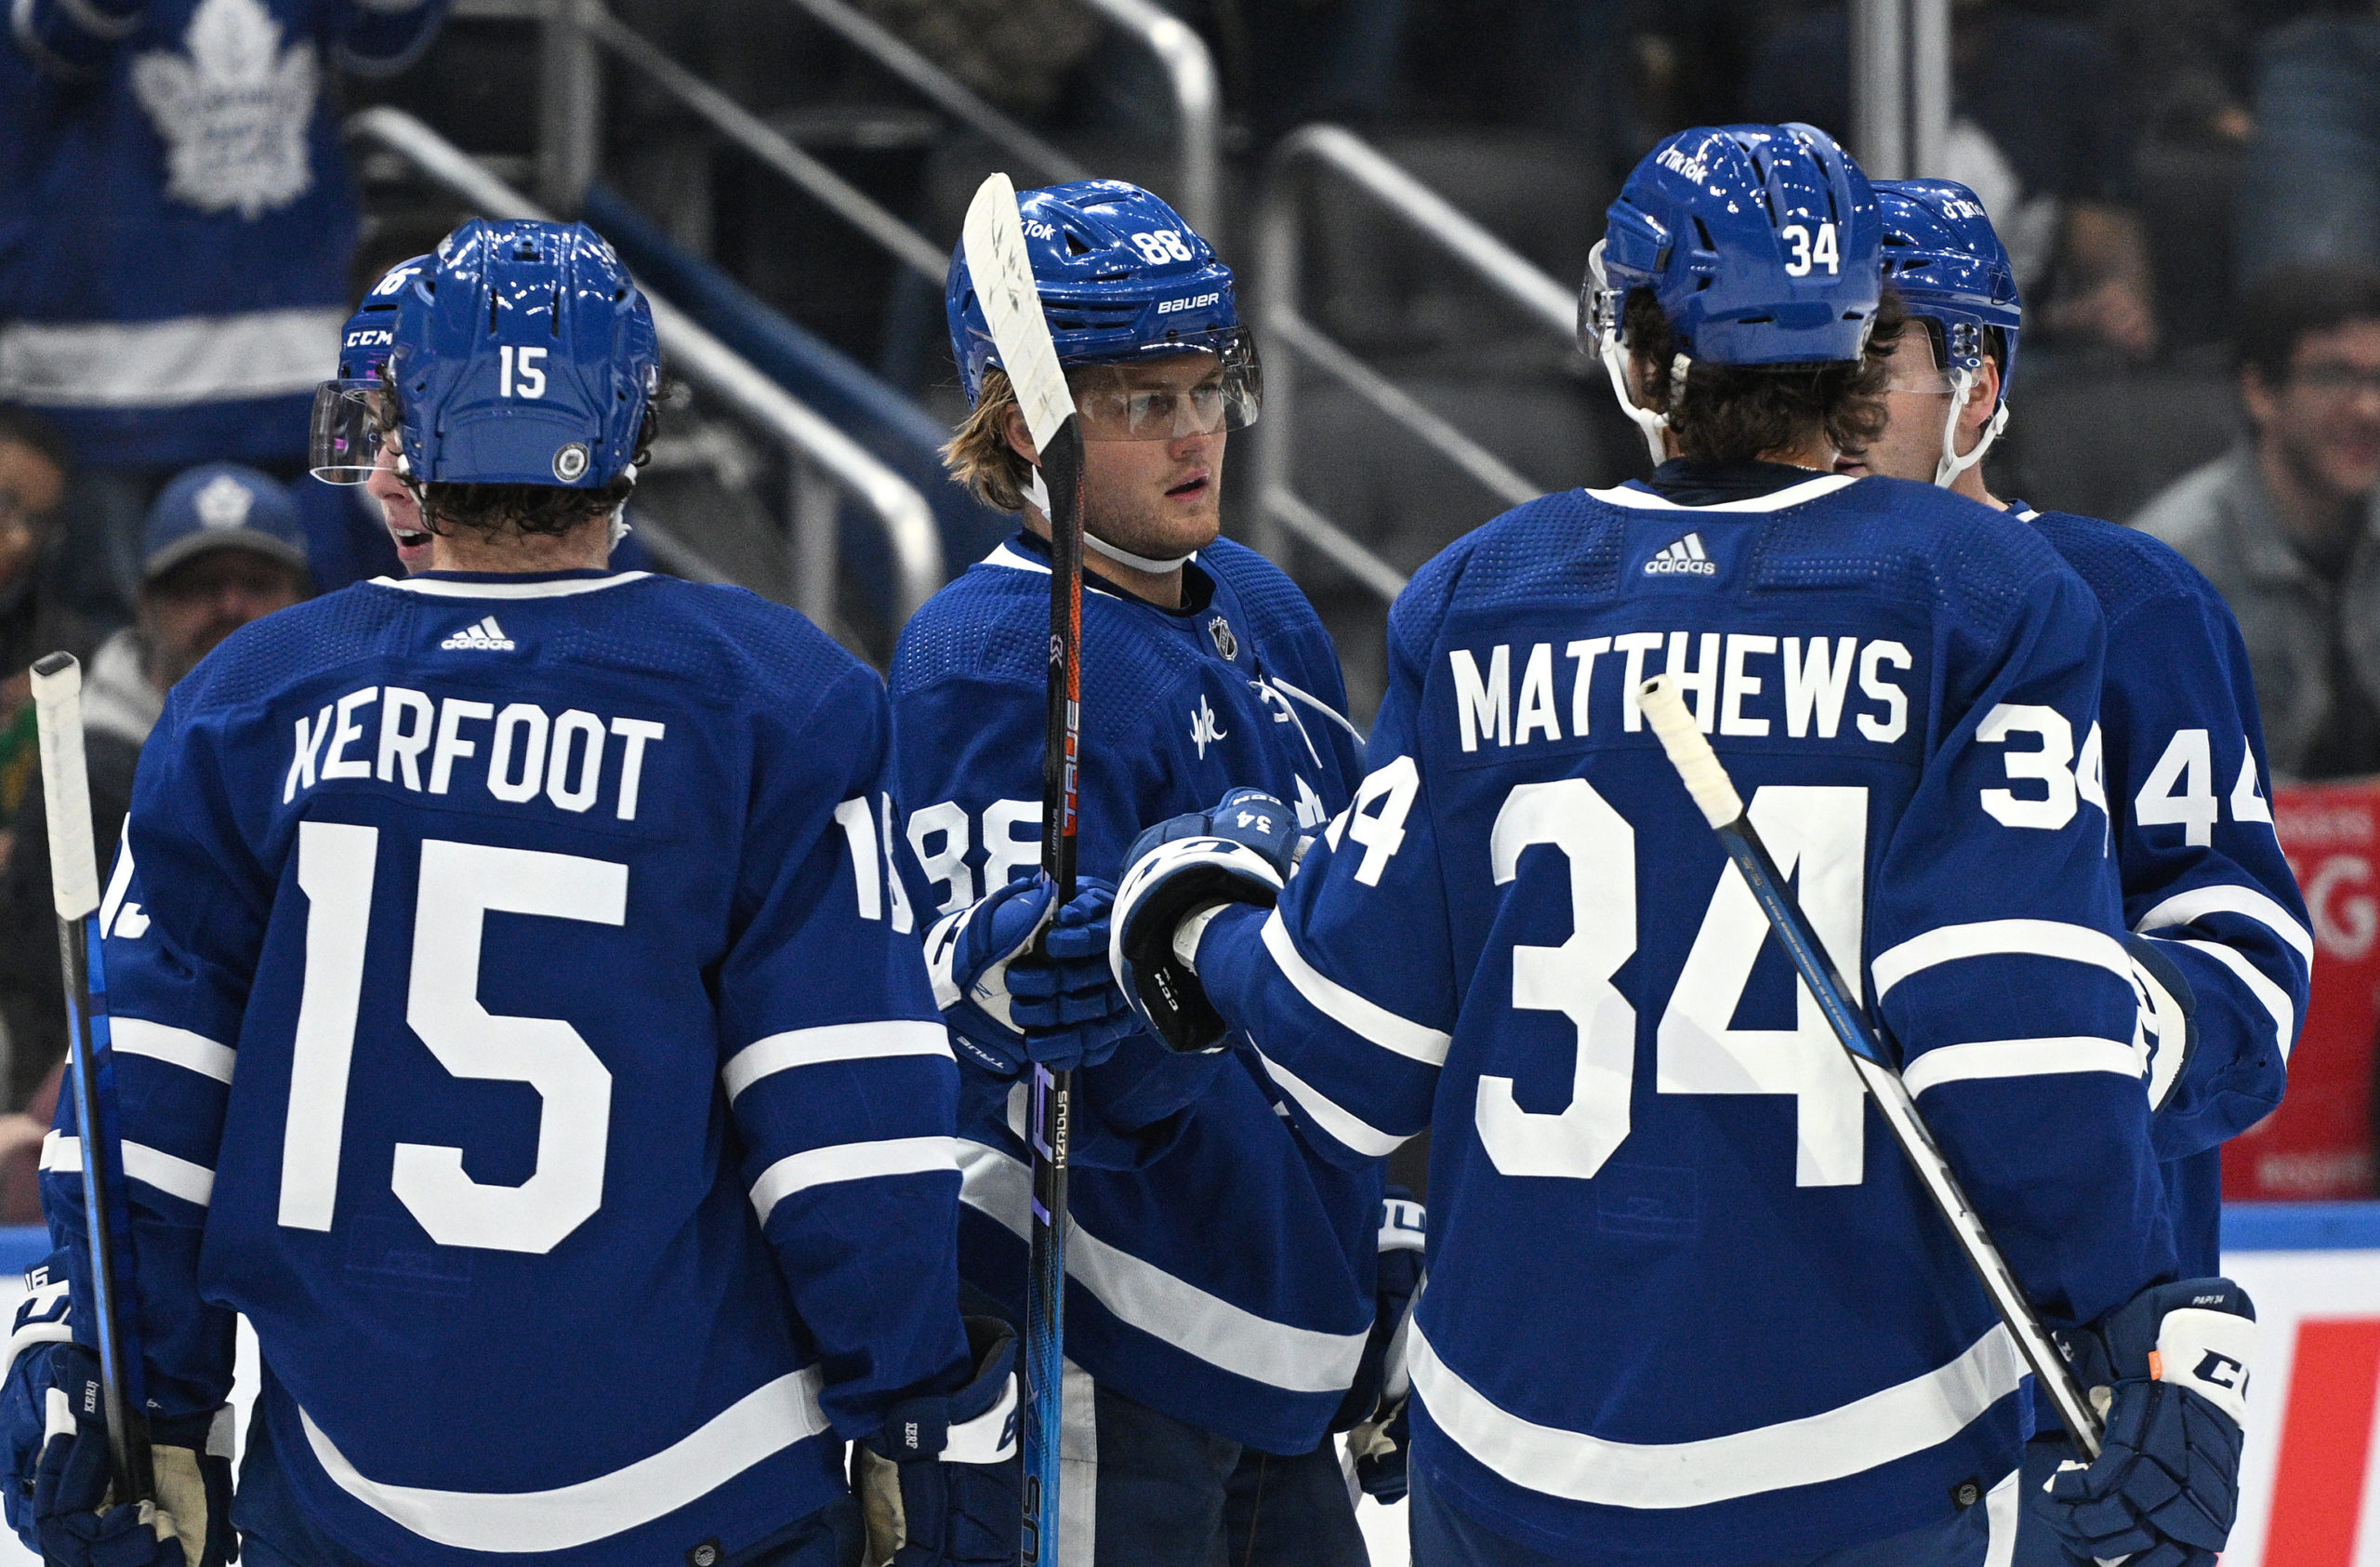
(812, 442)
(1290, 338)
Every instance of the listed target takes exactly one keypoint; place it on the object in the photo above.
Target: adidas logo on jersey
(485, 637)
(1684, 558)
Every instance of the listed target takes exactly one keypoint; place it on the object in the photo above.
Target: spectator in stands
(2039, 134)
(175, 237)
(225, 546)
(2312, 191)
(34, 473)
(2287, 525)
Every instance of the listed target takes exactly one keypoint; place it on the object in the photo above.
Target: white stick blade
(1002, 272)
(1696, 762)
(66, 788)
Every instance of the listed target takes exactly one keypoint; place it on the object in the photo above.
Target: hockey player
(1687, 1304)
(1223, 1273)
(2218, 919)
(587, 1171)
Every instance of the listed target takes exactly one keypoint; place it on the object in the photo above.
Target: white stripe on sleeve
(175, 1177)
(2019, 1057)
(1350, 1129)
(834, 1041)
(1351, 1010)
(2274, 999)
(135, 1036)
(850, 1161)
(2183, 907)
(1992, 938)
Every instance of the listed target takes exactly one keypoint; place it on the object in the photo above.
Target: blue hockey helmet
(524, 355)
(1944, 259)
(347, 420)
(1122, 280)
(1759, 243)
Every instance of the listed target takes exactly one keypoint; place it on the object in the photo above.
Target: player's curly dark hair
(525, 510)
(1735, 413)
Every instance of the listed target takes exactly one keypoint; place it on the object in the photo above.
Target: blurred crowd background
(2190, 189)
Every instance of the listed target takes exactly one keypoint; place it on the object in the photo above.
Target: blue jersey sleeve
(836, 1064)
(185, 916)
(1353, 976)
(2203, 873)
(1996, 964)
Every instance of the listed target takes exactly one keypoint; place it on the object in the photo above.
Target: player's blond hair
(979, 456)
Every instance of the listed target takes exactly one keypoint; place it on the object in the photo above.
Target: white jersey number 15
(461, 883)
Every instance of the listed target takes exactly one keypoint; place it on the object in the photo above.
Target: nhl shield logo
(570, 463)
(1226, 642)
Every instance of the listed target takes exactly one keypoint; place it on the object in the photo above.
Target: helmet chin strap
(1947, 471)
(1615, 361)
(1037, 495)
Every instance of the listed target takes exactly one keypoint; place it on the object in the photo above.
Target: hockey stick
(993, 240)
(75, 889)
(1707, 780)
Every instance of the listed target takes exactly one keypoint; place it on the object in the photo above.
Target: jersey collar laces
(1599, 308)
(1038, 494)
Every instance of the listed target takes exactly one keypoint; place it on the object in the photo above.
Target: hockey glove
(57, 1452)
(1008, 1005)
(1378, 1444)
(1176, 875)
(2169, 1370)
(940, 1484)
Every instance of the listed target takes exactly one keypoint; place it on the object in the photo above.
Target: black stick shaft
(1052, 1100)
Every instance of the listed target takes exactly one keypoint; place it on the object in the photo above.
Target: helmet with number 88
(1122, 280)
(524, 355)
(1759, 243)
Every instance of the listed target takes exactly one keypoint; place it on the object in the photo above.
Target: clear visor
(344, 446)
(1203, 391)
(1928, 381)
(1598, 304)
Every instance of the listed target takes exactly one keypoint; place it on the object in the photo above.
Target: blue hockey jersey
(587, 1171)
(2203, 873)
(1686, 1303)
(175, 216)
(1220, 1271)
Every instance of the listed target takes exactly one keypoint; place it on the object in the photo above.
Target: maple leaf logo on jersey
(1204, 730)
(233, 111)
(485, 637)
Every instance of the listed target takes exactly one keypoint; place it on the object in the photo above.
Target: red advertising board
(2319, 1143)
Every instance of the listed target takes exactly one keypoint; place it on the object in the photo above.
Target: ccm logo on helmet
(1200, 302)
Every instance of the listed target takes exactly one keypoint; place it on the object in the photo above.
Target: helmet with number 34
(1123, 281)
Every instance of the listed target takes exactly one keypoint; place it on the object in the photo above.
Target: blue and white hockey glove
(1378, 1444)
(940, 1484)
(2169, 1369)
(57, 1445)
(1008, 1004)
(1176, 875)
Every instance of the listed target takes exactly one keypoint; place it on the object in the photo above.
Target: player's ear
(1019, 434)
(1983, 396)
